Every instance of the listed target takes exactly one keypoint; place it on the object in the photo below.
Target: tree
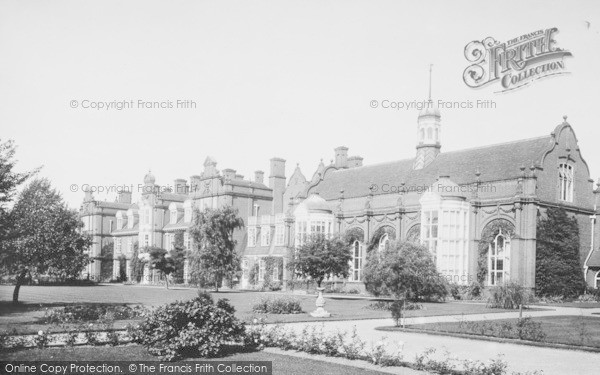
(404, 270)
(9, 181)
(557, 268)
(321, 257)
(214, 257)
(162, 261)
(44, 236)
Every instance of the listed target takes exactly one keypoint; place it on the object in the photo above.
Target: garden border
(490, 338)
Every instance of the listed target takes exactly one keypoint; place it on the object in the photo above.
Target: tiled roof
(126, 230)
(123, 206)
(247, 184)
(173, 197)
(495, 162)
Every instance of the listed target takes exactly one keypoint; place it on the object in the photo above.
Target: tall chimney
(180, 186)
(259, 177)
(355, 161)
(277, 183)
(229, 174)
(341, 157)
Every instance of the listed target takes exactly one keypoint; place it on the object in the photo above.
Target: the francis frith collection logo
(514, 63)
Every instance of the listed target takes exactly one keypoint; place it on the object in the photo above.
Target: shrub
(508, 296)
(198, 327)
(277, 305)
(557, 268)
(405, 270)
(527, 329)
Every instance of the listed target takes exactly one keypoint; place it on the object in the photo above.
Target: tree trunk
(20, 279)
(167, 280)
(319, 281)
(216, 282)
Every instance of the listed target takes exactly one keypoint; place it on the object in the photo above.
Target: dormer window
(119, 223)
(188, 214)
(173, 219)
(565, 178)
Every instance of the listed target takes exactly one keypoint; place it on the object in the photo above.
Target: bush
(198, 328)
(277, 305)
(527, 329)
(405, 270)
(508, 296)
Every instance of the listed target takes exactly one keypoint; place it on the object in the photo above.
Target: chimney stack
(341, 157)
(229, 174)
(277, 184)
(180, 186)
(259, 177)
(124, 196)
(355, 161)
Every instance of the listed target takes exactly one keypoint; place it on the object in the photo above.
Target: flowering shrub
(198, 327)
(278, 305)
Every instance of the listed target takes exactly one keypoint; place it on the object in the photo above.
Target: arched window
(429, 133)
(498, 260)
(383, 242)
(422, 134)
(597, 280)
(565, 177)
(437, 134)
(357, 259)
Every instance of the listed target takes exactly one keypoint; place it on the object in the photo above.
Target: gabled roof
(495, 162)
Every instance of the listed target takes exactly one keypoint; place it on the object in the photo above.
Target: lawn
(570, 330)
(282, 364)
(36, 299)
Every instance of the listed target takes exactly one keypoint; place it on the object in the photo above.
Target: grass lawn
(36, 299)
(571, 330)
(282, 364)
(579, 305)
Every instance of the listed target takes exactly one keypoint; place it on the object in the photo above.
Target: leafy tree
(179, 254)
(106, 261)
(557, 268)
(214, 257)
(321, 257)
(9, 181)
(404, 270)
(162, 261)
(44, 236)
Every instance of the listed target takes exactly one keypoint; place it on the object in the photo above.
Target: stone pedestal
(320, 312)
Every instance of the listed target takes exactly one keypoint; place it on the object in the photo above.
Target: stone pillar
(116, 268)
(186, 271)
(128, 269)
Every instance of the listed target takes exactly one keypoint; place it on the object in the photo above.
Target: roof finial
(564, 119)
(430, 68)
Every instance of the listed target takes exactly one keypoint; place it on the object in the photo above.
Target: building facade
(476, 210)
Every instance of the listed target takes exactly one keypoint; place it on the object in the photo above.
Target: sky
(289, 79)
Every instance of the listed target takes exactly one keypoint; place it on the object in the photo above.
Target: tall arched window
(597, 280)
(498, 260)
(429, 133)
(565, 177)
(357, 259)
(383, 242)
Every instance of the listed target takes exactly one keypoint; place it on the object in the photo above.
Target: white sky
(291, 79)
